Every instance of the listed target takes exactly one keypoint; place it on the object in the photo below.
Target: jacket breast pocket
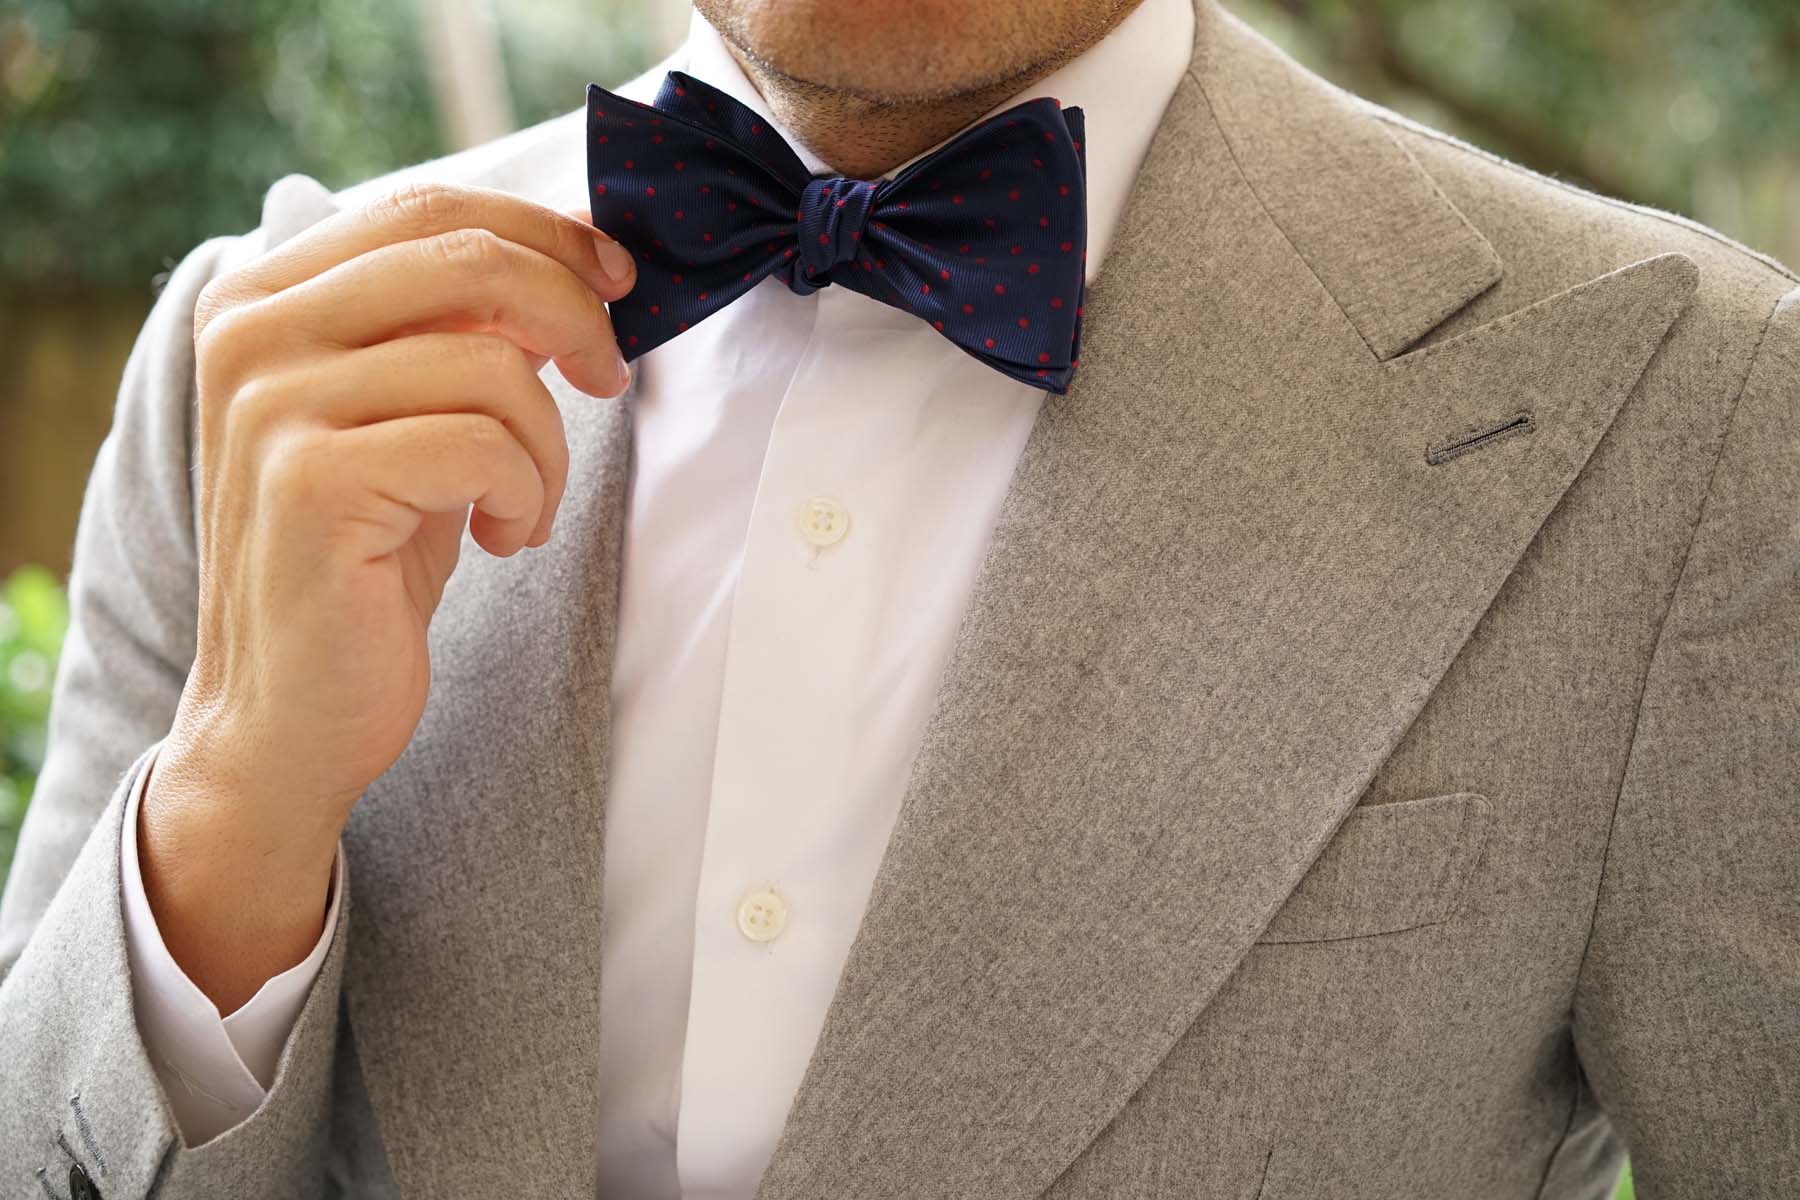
(1389, 867)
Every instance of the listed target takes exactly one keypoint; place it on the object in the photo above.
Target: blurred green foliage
(1687, 106)
(34, 615)
(131, 130)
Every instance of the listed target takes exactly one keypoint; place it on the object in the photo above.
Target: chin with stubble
(869, 83)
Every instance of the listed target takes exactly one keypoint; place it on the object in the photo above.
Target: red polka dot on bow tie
(599, 189)
(989, 343)
(679, 214)
(999, 289)
(968, 310)
(945, 273)
(1024, 322)
(1056, 302)
(924, 289)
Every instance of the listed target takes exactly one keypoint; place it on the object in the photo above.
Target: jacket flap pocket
(1389, 867)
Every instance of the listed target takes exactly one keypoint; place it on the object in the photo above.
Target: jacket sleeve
(76, 1082)
(214, 1070)
(1687, 1011)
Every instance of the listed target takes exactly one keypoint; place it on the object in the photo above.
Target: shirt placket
(884, 467)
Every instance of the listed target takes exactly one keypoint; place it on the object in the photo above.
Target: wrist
(237, 896)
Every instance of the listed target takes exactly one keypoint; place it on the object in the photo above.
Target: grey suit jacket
(1368, 765)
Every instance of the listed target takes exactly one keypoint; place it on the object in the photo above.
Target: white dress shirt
(814, 483)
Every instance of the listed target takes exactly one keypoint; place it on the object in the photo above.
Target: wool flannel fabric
(985, 238)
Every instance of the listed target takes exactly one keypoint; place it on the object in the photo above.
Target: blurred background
(131, 130)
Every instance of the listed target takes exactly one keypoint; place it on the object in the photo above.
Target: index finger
(423, 210)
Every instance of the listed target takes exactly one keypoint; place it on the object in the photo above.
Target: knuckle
(492, 356)
(490, 433)
(216, 342)
(422, 207)
(215, 297)
(255, 402)
(471, 250)
(292, 471)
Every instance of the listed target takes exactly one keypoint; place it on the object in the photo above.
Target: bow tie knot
(983, 239)
(832, 214)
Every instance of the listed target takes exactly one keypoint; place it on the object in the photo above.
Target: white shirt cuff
(214, 1070)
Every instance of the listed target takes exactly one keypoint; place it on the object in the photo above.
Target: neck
(862, 137)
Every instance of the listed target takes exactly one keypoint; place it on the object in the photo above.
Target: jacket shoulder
(1553, 235)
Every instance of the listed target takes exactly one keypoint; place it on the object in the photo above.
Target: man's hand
(360, 387)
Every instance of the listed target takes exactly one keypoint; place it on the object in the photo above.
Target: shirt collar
(1122, 84)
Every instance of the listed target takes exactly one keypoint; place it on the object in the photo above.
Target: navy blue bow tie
(985, 238)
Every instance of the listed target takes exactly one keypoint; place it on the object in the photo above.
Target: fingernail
(615, 260)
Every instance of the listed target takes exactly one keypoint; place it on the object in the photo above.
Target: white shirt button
(761, 915)
(822, 521)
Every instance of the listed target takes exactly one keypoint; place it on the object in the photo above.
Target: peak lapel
(473, 978)
(1223, 583)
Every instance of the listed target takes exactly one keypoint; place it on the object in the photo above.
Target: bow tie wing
(986, 239)
(705, 216)
(706, 107)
